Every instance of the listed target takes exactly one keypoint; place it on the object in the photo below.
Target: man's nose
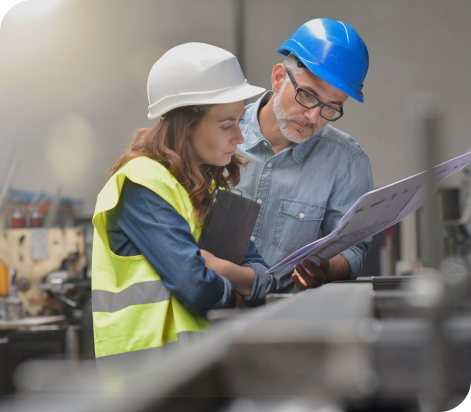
(313, 114)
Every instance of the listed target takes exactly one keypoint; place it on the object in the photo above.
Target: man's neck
(270, 129)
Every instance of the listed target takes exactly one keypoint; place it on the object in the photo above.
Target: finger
(309, 279)
(299, 282)
(310, 265)
(315, 271)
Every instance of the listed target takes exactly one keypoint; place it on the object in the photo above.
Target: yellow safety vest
(132, 309)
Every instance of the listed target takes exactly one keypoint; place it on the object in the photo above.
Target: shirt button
(265, 144)
(252, 238)
(269, 165)
(259, 201)
(301, 215)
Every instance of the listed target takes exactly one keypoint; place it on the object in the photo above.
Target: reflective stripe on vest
(144, 292)
(133, 311)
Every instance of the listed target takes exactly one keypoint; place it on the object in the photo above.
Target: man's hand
(309, 275)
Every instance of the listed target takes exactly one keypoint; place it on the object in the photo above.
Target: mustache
(303, 122)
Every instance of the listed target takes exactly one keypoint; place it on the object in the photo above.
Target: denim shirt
(304, 190)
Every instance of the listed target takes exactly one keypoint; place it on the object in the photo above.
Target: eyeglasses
(308, 101)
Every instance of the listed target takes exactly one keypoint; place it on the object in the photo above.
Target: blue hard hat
(333, 51)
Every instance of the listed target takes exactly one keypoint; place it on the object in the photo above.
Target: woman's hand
(242, 277)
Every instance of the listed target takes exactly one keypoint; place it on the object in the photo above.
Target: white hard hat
(196, 74)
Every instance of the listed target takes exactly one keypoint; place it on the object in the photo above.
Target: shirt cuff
(354, 261)
(228, 300)
(264, 283)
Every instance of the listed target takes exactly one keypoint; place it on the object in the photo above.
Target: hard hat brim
(233, 94)
(321, 71)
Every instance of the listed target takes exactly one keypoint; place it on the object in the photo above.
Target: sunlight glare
(34, 8)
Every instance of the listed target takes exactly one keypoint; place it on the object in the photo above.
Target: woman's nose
(237, 137)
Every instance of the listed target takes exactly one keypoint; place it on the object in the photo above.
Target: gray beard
(283, 120)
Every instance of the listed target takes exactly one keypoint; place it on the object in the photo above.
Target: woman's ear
(278, 77)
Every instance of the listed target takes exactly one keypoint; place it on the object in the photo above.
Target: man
(303, 172)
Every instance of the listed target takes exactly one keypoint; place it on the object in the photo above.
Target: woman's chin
(223, 162)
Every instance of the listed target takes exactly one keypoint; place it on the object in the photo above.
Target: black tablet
(229, 225)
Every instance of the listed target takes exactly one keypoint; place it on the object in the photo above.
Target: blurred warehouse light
(70, 150)
(33, 8)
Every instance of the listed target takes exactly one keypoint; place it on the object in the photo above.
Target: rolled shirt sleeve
(264, 283)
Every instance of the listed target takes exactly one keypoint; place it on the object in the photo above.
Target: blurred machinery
(45, 255)
(44, 286)
(457, 218)
(389, 344)
(46, 260)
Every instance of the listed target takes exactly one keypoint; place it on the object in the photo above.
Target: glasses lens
(330, 113)
(306, 99)
(309, 101)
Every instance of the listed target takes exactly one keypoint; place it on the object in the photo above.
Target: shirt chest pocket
(297, 224)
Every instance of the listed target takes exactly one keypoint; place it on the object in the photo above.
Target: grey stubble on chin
(283, 120)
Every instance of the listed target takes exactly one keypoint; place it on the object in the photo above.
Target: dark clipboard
(229, 225)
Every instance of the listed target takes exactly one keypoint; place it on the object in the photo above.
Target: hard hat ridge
(195, 74)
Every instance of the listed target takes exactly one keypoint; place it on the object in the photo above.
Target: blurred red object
(17, 220)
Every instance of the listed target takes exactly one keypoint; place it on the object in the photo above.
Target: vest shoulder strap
(148, 173)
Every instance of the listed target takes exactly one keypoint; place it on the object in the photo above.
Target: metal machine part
(24, 284)
(35, 253)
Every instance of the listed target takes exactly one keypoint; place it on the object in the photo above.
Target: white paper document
(373, 212)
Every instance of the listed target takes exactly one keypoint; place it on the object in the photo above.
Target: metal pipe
(6, 189)
(52, 214)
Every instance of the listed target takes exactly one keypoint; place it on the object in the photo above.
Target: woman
(150, 282)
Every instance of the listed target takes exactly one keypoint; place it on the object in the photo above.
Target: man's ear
(278, 77)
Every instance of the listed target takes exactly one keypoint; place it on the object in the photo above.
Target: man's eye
(226, 127)
(308, 97)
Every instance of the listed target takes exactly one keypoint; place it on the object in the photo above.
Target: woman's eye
(226, 127)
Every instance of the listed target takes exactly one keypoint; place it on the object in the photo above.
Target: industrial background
(74, 73)
(73, 82)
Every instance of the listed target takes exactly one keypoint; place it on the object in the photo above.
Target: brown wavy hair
(168, 142)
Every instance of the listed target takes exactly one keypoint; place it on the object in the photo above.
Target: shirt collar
(255, 135)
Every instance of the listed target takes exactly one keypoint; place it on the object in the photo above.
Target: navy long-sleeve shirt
(143, 223)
